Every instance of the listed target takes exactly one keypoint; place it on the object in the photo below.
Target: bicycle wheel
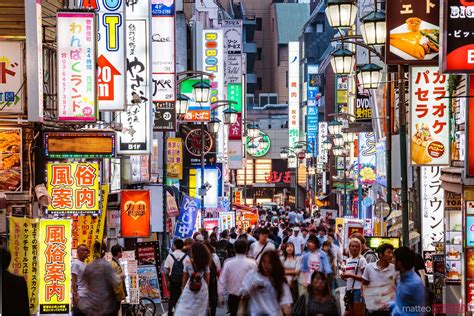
(147, 307)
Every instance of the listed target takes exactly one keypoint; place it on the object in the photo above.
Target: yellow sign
(74, 187)
(85, 226)
(23, 246)
(174, 152)
(55, 266)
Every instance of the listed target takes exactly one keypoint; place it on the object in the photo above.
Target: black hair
(277, 277)
(405, 256)
(233, 235)
(116, 249)
(263, 231)
(6, 258)
(225, 233)
(383, 247)
(241, 246)
(178, 243)
(322, 276)
(315, 241)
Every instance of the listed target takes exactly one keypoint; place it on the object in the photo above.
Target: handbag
(243, 306)
(349, 295)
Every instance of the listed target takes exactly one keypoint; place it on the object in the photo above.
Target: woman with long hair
(353, 271)
(196, 277)
(318, 300)
(290, 263)
(215, 269)
(266, 290)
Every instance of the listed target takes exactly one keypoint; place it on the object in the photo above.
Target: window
(259, 53)
(319, 28)
(259, 83)
(259, 24)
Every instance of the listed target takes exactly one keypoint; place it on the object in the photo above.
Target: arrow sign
(105, 79)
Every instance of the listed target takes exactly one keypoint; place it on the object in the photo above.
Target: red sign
(278, 177)
(197, 116)
(135, 213)
(470, 130)
(210, 223)
(105, 79)
(235, 130)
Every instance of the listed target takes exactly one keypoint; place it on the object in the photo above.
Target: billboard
(135, 213)
(77, 74)
(367, 158)
(432, 207)
(174, 166)
(293, 96)
(12, 92)
(429, 111)
(10, 160)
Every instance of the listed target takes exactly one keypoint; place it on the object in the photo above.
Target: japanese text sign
(363, 112)
(235, 130)
(313, 93)
(174, 167)
(322, 137)
(312, 121)
(234, 93)
(136, 133)
(135, 213)
(412, 32)
(367, 157)
(432, 207)
(187, 217)
(293, 96)
(458, 36)
(279, 177)
(12, 97)
(73, 187)
(429, 117)
(233, 51)
(24, 251)
(162, 7)
(55, 266)
(77, 74)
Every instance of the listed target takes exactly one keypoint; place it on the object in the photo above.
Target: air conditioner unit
(267, 98)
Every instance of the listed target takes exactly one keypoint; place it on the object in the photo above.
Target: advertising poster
(73, 187)
(367, 158)
(135, 213)
(412, 32)
(432, 207)
(172, 209)
(77, 76)
(10, 160)
(439, 270)
(12, 94)
(89, 229)
(55, 266)
(130, 269)
(212, 178)
(226, 220)
(149, 284)
(187, 217)
(23, 245)
(469, 231)
(363, 112)
(148, 253)
(293, 96)
(210, 223)
(174, 166)
(429, 117)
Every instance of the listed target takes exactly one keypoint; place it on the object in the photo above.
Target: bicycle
(145, 307)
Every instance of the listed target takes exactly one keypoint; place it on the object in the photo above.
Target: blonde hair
(354, 240)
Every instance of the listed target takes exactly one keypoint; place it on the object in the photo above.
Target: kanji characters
(55, 234)
(85, 175)
(85, 196)
(61, 175)
(61, 198)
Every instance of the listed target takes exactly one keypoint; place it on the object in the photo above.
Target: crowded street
(237, 157)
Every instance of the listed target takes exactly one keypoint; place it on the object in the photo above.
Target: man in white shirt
(257, 249)
(298, 241)
(234, 271)
(79, 288)
(174, 278)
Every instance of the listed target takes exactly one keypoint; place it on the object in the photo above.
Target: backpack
(370, 256)
(177, 269)
(195, 281)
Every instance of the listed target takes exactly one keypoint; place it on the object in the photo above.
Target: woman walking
(266, 290)
(354, 270)
(196, 276)
(215, 269)
(290, 263)
(318, 300)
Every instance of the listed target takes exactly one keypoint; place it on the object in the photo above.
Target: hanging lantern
(327, 145)
(369, 76)
(182, 102)
(201, 92)
(338, 140)
(342, 61)
(341, 14)
(335, 127)
(284, 154)
(230, 116)
(348, 137)
(253, 130)
(373, 28)
(214, 125)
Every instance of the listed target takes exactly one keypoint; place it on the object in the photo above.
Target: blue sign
(187, 217)
(312, 129)
(313, 89)
(162, 7)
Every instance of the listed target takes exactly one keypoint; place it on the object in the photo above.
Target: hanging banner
(367, 158)
(89, 229)
(135, 138)
(234, 154)
(235, 130)
(432, 207)
(429, 117)
(233, 51)
(55, 266)
(12, 72)
(11, 160)
(190, 207)
(412, 32)
(73, 187)
(226, 220)
(135, 213)
(77, 74)
(293, 96)
(24, 251)
(174, 150)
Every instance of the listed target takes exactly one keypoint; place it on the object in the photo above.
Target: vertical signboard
(470, 131)
(12, 91)
(432, 207)
(429, 117)
(412, 32)
(293, 96)
(163, 64)
(136, 131)
(322, 137)
(234, 93)
(77, 74)
(187, 217)
(55, 266)
(367, 158)
(174, 166)
(312, 118)
(135, 213)
(233, 51)
(235, 154)
(363, 112)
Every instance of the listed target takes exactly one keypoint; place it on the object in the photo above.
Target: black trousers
(379, 313)
(175, 293)
(233, 304)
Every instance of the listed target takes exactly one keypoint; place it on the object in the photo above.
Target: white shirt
(178, 254)
(298, 241)
(234, 271)
(217, 262)
(78, 268)
(355, 264)
(264, 301)
(377, 276)
(256, 247)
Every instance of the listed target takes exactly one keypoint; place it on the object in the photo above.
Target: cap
(296, 229)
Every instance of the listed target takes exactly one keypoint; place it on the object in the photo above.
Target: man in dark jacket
(14, 289)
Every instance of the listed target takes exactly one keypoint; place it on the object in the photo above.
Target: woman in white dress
(194, 299)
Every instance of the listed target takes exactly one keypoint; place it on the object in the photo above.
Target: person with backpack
(174, 267)
(194, 299)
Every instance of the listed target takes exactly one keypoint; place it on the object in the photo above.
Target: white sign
(233, 51)
(322, 137)
(12, 96)
(432, 207)
(77, 73)
(163, 64)
(136, 132)
(429, 117)
(234, 152)
(293, 96)
(111, 52)
(211, 176)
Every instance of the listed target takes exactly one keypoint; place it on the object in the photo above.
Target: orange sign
(135, 213)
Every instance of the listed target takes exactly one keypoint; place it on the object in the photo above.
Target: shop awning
(243, 207)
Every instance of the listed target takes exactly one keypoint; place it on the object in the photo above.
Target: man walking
(234, 271)
(257, 249)
(120, 289)
(79, 288)
(174, 273)
(297, 240)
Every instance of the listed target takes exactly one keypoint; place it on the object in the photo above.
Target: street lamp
(369, 76)
(214, 124)
(373, 28)
(338, 140)
(230, 116)
(201, 92)
(342, 61)
(341, 14)
(253, 130)
(337, 150)
(335, 127)
(348, 137)
(182, 102)
(284, 154)
(327, 145)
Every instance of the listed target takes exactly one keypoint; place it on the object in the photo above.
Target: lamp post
(293, 153)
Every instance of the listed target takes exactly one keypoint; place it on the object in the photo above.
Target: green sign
(261, 144)
(234, 93)
(187, 85)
